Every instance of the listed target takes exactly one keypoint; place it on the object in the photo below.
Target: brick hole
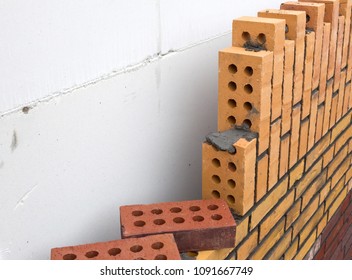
(198, 218)
(160, 257)
(232, 166)
(69, 257)
(139, 259)
(179, 220)
(157, 211)
(232, 86)
(246, 36)
(231, 199)
(159, 222)
(248, 88)
(231, 120)
(175, 210)
(137, 213)
(114, 251)
(157, 245)
(307, 18)
(216, 217)
(231, 183)
(91, 254)
(232, 68)
(215, 194)
(213, 207)
(286, 29)
(232, 103)
(194, 208)
(248, 106)
(136, 248)
(216, 179)
(248, 71)
(261, 38)
(139, 223)
(216, 162)
(247, 124)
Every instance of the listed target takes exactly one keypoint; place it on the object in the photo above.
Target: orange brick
(327, 157)
(341, 96)
(339, 157)
(320, 117)
(262, 176)
(293, 213)
(274, 152)
(220, 254)
(333, 195)
(345, 10)
(313, 222)
(296, 122)
(230, 176)
(324, 192)
(268, 34)
(347, 97)
(340, 171)
(296, 173)
(343, 138)
(331, 16)
(308, 70)
(313, 189)
(309, 177)
(241, 229)
(284, 153)
(340, 127)
(244, 91)
(324, 62)
(317, 151)
(339, 49)
(328, 101)
(333, 111)
(314, 21)
(313, 120)
(295, 30)
(337, 203)
(292, 250)
(303, 251)
(303, 138)
(322, 224)
(280, 247)
(244, 250)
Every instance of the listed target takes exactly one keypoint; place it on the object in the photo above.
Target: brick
(295, 30)
(309, 177)
(334, 206)
(335, 234)
(296, 173)
(241, 229)
(244, 250)
(327, 157)
(287, 87)
(324, 192)
(280, 247)
(244, 91)
(262, 176)
(339, 49)
(212, 254)
(315, 14)
(313, 250)
(293, 213)
(336, 161)
(230, 176)
(340, 171)
(345, 10)
(313, 120)
(335, 190)
(331, 16)
(344, 137)
(156, 247)
(322, 224)
(284, 153)
(346, 99)
(317, 151)
(333, 110)
(319, 124)
(292, 250)
(306, 247)
(303, 138)
(308, 70)
(196, 224)
(296, 121)
(274, 152)
(311, 224)
(269, 34)
(328, 100)
(341, 96)
(275, 215)
(348, 174)
(331, 225)
(324, 62)
(263, 248)
(340, 126)
(313, 188)
(268, 202)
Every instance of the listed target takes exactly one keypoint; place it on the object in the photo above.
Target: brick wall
(282, 156)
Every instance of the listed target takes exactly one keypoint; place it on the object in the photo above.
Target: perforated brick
(156, 247)
(196, 225)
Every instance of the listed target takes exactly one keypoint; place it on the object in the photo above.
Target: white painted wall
(120, 105)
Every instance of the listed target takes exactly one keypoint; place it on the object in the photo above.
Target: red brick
(197, 224)
(308, 70)
(156, 247)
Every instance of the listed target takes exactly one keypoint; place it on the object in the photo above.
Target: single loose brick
(320, 118)
(262, 176)
(156, 247)
(314, 21)
(244, 92)
(313, 120)
(197, 224)
(308, 70)
(324, 62)
(284, 154)
(296, 122)
(339, 49)
(345, 10)
(295, 30)
(255, 33)
(274, 152)
(303, 138)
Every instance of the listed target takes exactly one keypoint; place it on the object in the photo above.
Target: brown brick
(244, 91)
(313, 189)
(296, 173)
(296, 121)
(155, 247)
(241, 229)
(295, 24)
(308, 70)
(320, 117)
(339, 48)
(284, 153)
(275, 215)
(339, 157)
(345, 10)
(324, 62)
(302, 252)
(324, 192)
(292, 250)
(303, 138)
(341, 96)
(293, 213)
(308, 177)
(262, 176)
(269, 33)
(341, 126)
(230, 176)
(328, 100)
(313, 120)
(327, 157)
(313, 222)
(244, 250)
(275, 234)
(317, 151)
(268, 202)
(315, 12)
(280, 247)
(197, 224)
(274, 152)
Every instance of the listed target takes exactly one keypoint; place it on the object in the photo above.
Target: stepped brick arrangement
(282, 156)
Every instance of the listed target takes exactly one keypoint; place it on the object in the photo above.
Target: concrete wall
(103, 103)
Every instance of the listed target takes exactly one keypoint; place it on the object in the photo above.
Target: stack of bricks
(282, 156)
